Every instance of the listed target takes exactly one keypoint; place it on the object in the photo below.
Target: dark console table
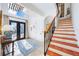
(5, 45)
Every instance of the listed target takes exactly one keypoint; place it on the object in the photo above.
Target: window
(19, 28)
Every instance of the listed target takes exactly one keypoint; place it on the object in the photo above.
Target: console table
(5, 45)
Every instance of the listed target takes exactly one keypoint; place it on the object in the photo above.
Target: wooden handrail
(50, 25)
(53, 29)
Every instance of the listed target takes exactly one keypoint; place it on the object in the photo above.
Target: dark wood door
(0, 22)
(62, 10)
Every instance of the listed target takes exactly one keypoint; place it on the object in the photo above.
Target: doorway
(62, 10)
(19, 28)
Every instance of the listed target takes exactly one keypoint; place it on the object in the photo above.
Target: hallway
(38, 29)
(21, 29)
(63, 42)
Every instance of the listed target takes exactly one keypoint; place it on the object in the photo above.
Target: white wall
(50, 16)
(49, 9)
(0, 6)
(67, 5)
(36, 21)
(4, 7)
(75, 18)
(36, 26)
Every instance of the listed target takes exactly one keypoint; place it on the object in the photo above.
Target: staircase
(63, 42)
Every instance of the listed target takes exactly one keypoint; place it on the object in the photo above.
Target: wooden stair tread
(51, 53)
(64, 50)
(65, 27)
(65, 43)
(65, 34)
(66, 30)
(65, 38)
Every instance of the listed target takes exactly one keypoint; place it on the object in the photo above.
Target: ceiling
(44, 9)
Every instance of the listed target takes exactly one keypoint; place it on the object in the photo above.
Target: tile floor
(38, 49)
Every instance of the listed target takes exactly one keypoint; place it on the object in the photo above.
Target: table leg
(3, 48)
(13, 49)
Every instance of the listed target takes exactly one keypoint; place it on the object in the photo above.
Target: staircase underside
(63, 42)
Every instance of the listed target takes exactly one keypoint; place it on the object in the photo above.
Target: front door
(19, 28)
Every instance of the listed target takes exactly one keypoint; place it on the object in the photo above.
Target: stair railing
(53, 22)
(50, 30)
